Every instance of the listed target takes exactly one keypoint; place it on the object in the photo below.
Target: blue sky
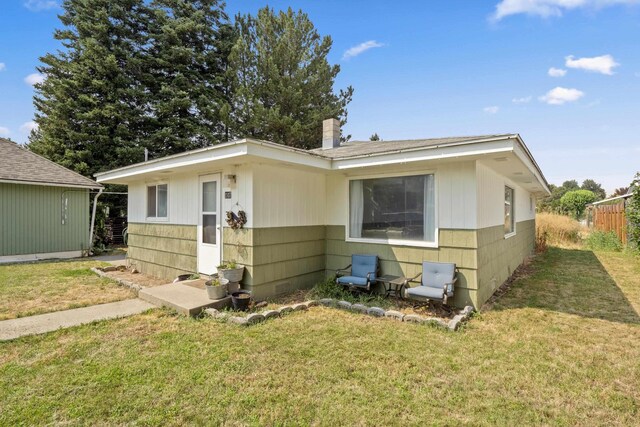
(441, 68)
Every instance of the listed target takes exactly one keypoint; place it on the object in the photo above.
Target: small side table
(391, 284)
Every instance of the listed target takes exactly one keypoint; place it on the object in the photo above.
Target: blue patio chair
(360, 274)
(437, 284)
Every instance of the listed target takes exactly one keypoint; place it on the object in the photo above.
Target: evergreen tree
(190, 41)
(595, 188)
(374, 137)
(283, 86)
(89, 108)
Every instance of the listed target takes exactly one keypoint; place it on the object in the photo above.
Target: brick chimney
(330, 133)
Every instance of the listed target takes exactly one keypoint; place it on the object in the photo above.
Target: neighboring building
(44, 207)
(468, 200)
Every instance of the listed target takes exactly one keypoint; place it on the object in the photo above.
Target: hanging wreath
(236, 220)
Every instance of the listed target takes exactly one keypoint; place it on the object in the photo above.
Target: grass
(558, 229)
(42, 287)
(560, 347)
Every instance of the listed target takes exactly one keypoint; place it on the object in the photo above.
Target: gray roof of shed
(21, 165)
(366, 148)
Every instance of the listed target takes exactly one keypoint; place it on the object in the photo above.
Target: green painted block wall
(163, 250)
(31, 219)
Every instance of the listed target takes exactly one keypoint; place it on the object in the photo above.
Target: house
(468, 200)
(44, 207)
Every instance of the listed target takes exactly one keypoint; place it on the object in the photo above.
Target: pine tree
(90, 105)
(190, 43)
(283, 86)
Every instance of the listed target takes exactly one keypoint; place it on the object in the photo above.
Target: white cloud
(33, 79)
(27, 127)
(523, 100)
(491, 110)
(598, 64)
(361, 48)
(557, 72)
(38, 5)
(4, 131)
(2, 66)
(560, 95)
(548, 8)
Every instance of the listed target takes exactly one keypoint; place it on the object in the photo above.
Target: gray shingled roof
(21, 165)
(366, 148)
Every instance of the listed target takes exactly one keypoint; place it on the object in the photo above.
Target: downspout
(93, 219)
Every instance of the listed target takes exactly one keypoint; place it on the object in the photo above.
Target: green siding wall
(499, 257)
(31, 219)
(279, 259)
(163, 250)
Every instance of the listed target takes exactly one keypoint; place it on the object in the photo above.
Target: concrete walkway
(15, 328)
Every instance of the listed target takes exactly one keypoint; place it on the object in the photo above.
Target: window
(395, 208)
(157, 201)
(509, 213)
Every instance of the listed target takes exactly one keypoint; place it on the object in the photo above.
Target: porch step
(185, 299)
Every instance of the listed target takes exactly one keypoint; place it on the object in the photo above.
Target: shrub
(329, 289)
(575, 202)
(633, 214)
(603, 241)
(557, 229)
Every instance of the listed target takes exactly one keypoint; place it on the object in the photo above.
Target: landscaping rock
(109, 268)
(284, 310)
(394, 314)
(134, 271)
(299, 307)
(454, 323)
(375, 311)
(270, 314)
(413, 318)
(261, 304)
(466, 312)
(360, 308)
(311, 303)
(237, 320)
(327, 301)
(254, 318)
(344, 304)
(216, 314)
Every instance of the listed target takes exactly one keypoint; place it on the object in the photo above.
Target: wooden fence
(611, 218)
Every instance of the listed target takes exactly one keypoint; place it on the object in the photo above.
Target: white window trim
(513, 212)
(146, 201)
(396, 242)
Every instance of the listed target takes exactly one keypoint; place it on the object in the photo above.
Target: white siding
(455, 188)
(491, 198)
(284, 196)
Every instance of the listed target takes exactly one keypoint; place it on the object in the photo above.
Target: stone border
(135, 287)
(253, 318)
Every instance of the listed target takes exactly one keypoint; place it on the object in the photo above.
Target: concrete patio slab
(39, 324)
(186, 299)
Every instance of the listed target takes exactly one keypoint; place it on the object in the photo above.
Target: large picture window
(395, 208)
(509, 216)
(157, 201)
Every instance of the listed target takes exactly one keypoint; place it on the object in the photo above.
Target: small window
(394, 208)
(157, 201)
(509, 210)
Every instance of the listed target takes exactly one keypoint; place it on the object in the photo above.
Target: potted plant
(241, 300)
(231, 271)
(217, 288)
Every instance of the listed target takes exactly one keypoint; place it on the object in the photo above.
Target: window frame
(513, 210)
(397, 242)
(146, 198)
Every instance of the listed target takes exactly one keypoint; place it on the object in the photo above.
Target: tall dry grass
(558, 229)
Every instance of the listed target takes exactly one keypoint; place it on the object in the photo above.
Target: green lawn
(562, 347)
(42, 287)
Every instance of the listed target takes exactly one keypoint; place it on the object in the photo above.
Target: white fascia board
(51, 184)
(525, 158)
(209, 154)
(433, 153)
(281, 153)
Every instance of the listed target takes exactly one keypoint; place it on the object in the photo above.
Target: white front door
(209, 224)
